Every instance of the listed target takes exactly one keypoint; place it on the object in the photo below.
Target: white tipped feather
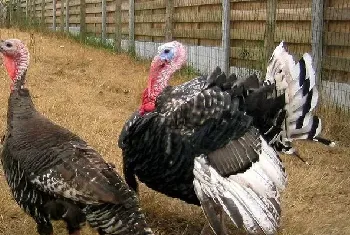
(298, 83)
(251, 199)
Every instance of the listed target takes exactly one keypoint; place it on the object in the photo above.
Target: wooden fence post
(104, 22)
(42, 13)
(118, 25)
(67, 16)
(27, 3)
(62, 16)
(34, 12)
(269, 42)
(317, 37)
(54, 15)
(82, 20)
(169, 20)
(8, 14)
(132, 26)
(226, 47)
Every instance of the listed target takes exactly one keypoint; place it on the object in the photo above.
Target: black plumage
(54, 174)
(209, 141)
(197, 117)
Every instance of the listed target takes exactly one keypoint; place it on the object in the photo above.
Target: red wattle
(10, 66)
(148, 104)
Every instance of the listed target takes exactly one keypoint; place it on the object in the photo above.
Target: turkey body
(197, 117)
(53, 174)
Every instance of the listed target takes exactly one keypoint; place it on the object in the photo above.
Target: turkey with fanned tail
(55, 175)
(212, 141)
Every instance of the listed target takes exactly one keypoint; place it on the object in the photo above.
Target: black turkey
(207, 141)
(55, 175)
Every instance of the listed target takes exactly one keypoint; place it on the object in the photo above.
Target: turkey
(201, 141)
(55, 175)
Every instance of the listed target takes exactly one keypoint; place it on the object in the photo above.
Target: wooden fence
(248, 30)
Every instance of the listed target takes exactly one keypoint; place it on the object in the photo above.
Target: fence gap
(226, 46)
(67, 16)
(54, 15)
(169, 14)
(104, 22)
(317, 36)
(118, 26)
(132, 26)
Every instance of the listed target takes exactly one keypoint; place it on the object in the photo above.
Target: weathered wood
(54, 15)
(132, 26)
(62, 16)
(9, 11)
(82, 20)
(67, 16)
(42, 18)
(118, 25)
(317, 36)
(226, 36)
(27, 8)
(104, 21)
(269, 42)
(169, 20)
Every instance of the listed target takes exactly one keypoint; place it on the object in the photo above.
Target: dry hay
(92, 92)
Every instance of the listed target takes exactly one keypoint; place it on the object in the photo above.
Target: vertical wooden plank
(226, 47)
(62, 16)
(317, 36)
(118, 25)
(132, 26)
(42, 13)
(82, 20)
(27, 6)
(54, 15)
(9, 11)
(269, 42)
(34, 11)
(169, 13)
(104, 22)
(67, 16)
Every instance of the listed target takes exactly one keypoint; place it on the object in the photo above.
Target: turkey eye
(8, 44)
(166, 51)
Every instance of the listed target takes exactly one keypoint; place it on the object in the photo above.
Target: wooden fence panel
(199, 22)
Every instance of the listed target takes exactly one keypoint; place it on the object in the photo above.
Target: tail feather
(112, 219)
(252, 198)
(297, 82)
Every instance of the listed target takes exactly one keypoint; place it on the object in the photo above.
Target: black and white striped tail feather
(298, 82)
(112, 219)
(303, 97)
(251, 198)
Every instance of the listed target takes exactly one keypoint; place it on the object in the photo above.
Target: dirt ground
(92, 92)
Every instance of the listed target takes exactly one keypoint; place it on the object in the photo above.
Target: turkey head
(171, 57)
(16, 61)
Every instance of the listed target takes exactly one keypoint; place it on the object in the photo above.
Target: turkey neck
(17, 66)
(158, 80)
(20, 106)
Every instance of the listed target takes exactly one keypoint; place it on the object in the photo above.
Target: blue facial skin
(167, 55)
